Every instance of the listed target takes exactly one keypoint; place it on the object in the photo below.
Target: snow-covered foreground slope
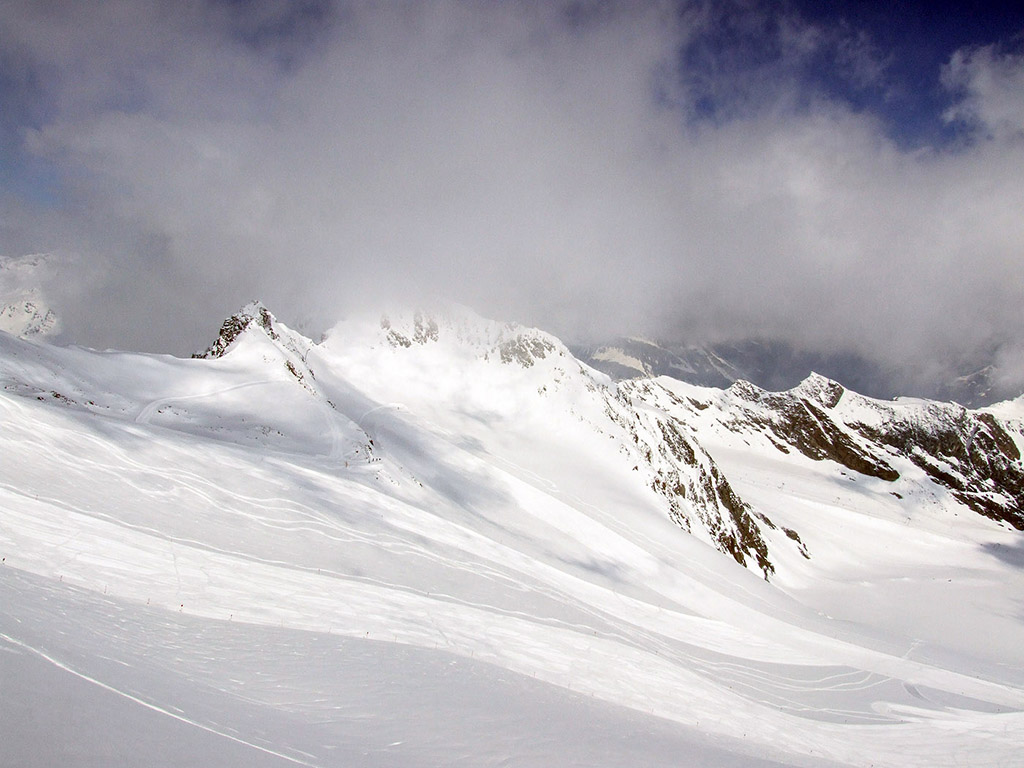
(438, 540)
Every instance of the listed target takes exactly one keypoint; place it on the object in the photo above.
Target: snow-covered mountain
(24, 311)
(434, 539)
(631, 357)
(774, 364)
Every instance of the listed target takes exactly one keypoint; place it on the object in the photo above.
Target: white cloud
(991, 89)
(533, 168)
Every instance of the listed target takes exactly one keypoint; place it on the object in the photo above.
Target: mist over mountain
(777, 365)
(842, 182)
(24, 308)
(631, 383)
(26, 284)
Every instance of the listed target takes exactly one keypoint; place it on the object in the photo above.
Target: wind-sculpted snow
(362, 552)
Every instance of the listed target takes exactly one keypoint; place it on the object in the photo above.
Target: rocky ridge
(973, 456)
(660, 432)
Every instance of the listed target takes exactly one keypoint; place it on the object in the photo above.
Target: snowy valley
(432, 539)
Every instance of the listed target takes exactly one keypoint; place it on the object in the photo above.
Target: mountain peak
(24, 309)
(745, 390)
(424, 329)
(821, 389)
(252, 314)
(457, 329)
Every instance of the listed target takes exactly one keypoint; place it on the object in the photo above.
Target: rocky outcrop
(253, 313)
(969, 453)
(697, 493)
(799, 420)
(524, 350)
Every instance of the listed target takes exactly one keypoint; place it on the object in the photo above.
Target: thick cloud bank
(592, 168)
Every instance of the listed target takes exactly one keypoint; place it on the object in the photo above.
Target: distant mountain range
(778, 365)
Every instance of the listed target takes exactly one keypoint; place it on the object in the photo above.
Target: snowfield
(434, 540)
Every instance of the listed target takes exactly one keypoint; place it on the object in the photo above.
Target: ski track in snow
(146, 414)
(149, 705)
(755, 683)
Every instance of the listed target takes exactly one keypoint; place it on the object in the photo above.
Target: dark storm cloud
(593, 168)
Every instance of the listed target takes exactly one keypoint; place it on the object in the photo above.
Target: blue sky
(917, 40)
(882, 58)
(845, 176)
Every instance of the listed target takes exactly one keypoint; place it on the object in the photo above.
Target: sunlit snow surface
(427, 555)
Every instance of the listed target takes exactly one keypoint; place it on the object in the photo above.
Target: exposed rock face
(509, 342)
(798, 419)
(970, 453)
(684, 472)
(253, 313)
(524, 350)
(697, 493)
(666, 457)
(27, 318)
(423, 331)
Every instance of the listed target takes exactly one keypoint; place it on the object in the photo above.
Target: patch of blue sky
(883, 59)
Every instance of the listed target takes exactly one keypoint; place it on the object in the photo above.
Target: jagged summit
(746, 390)
(821, 389)
(447, 360)
(254, 318)
(915, 445)
(253, 314)
(487, 381)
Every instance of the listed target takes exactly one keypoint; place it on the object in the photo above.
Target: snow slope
(435, 540)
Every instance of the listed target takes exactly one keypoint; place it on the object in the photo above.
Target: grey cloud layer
(530, 163)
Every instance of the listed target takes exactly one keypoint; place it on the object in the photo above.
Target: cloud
(550, 163)
(991, 88)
